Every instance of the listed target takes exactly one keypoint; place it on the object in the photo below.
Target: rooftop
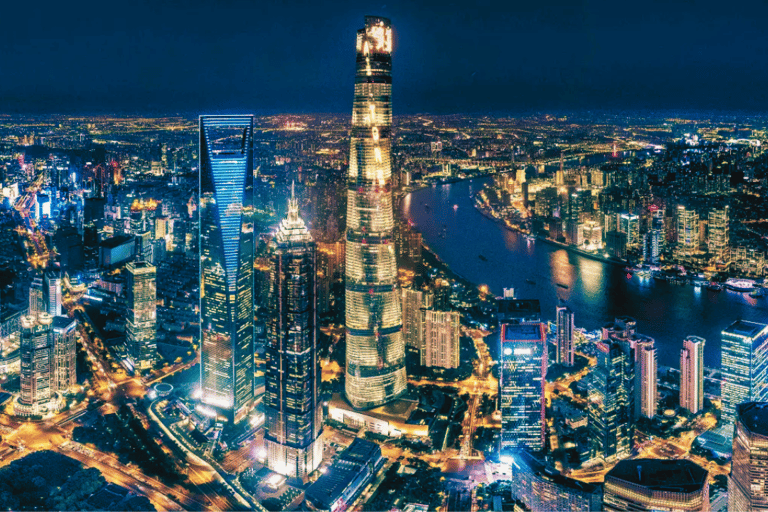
(754, 416)
(544, 472)
(674, 475)
(522, 332)
(744, 328)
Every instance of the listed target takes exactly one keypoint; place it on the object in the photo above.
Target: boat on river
(561, 285)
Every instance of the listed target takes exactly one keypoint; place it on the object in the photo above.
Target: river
(597, 291)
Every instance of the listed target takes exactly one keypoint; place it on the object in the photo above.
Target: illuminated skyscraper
(565, 353)
(52, 292)
(375, 372)
(692, 374)
(748, 481)
(611, 401)
(687, 231)
(291, 400)
(226, 264)
(37, 392)
(523, 369)
(441, 339)
(141, 318)
(64, 353)
(37, 297)
(415, 306)
(719, 234)
(744, 366)
(647, 377)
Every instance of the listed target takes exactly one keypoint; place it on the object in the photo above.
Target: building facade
(415, 305)
(37, 394)
(744, 366)
(64, 353)
(375, 366)
(226, 264)
(523, 369)
(718, 234)
(646, 371)
(441, 335)
(748, 480)
(292, 377)
(610, 404)
(141, 318)
(692, 374)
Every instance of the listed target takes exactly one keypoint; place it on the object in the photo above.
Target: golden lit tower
(375, 347)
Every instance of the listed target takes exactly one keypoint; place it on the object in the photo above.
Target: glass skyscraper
(744, 366)
(692, 374)
(523, 369)
(141, 318)
(610, 400)
(748, 481)
(291, 401)
(375, 366)
(226, 264)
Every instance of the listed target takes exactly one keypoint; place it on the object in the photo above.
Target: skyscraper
(748, 480)
(36, 356)
(441, 339)
(292, 400)
(692, 374)
(375, 372)
(523, 369)
(64, 353)
(141, 318)
(415, 305)
(687, 231)
(718, 233)
(744, 366)
(226, 264)
(565, 352)
(37, 297)
(647, 376)
(52, 292)
(610, 401)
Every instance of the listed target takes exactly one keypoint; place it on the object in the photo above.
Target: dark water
(597, 291)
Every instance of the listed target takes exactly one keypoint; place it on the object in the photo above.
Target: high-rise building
(748, 480)
(415, 305)
(52, 292)
(226, 264)
(629, 223)
(37, 303)
(292, 378)
(688, 240)
(141, 317)
(565, 328)
(64, 353)
(544, 489)
(744, 366)
(375, 372)
(646, 372)
(441, 339)
(610, 406)
(718, 232)
(521, 383)
(37, 392)
(692, 374)
(656, 484)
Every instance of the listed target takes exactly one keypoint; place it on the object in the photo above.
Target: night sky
(268, 56)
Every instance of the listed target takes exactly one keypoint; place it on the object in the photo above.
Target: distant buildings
(748, 480)
(692, 374)
(292, 396)
(523, 369)
(347, 477)
(375, 371)
(565, 328)
(744, 366)
(141, 318)
(656, 484)
(544, 489)
(226, 264)
(442, 346)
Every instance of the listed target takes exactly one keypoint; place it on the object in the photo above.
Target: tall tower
(647, 376)
(719, 234)
(748, 481)
(36, 362)
(226, 264)
(375, 348)
(52, 292)
(692, 374)
(565, 353)
(291, 401)
(141, 320)
(744, 366)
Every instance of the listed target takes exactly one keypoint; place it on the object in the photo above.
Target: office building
(629, 224)
(141, 314)
(692, 374)
(611, 404)
(415, 306)
(656, 484)
(347, 477)
(565, 328)
(748, 480)
(718, 234)
(375, 372)
(292, 377)
(646, 372)
(52, 292)
(64, 353)
(226, 264)
(37, 395)
(37, 303)
(441, 339)
(616, 244)
(521, 383)
(744, 366)
(688, 240)
(544, 489)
